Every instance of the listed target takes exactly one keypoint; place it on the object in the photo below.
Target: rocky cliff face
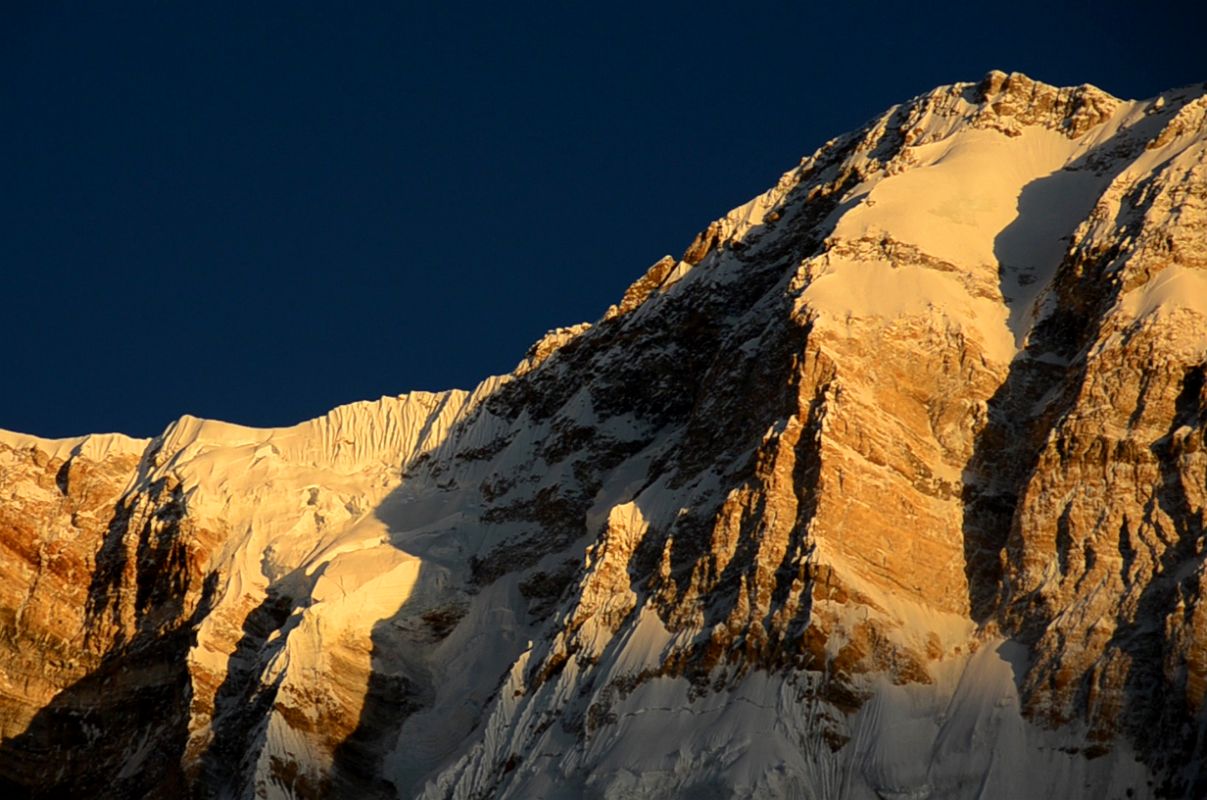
(891, 486)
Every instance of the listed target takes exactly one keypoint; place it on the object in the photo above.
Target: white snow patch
(873, 290)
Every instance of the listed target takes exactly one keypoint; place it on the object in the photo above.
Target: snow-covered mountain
(892, 486)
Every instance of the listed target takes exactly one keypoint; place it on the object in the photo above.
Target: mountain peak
(892, 485)
(1015, 98)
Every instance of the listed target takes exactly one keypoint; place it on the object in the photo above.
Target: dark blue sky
(257, 211)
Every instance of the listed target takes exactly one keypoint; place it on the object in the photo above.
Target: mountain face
(892, 486)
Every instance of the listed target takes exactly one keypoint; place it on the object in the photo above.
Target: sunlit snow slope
(892, 486)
